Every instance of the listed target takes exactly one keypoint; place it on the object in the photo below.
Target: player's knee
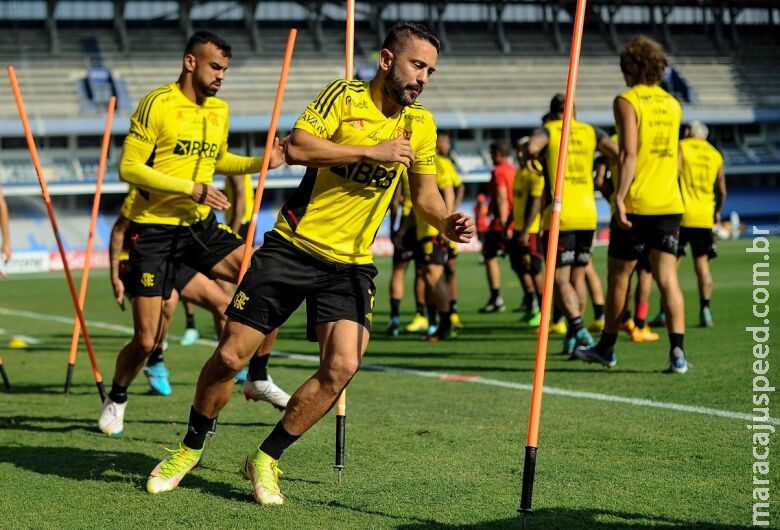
(230, 359)
(145, 343)
(337, 374)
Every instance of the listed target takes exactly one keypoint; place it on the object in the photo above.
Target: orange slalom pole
(50, 210)
(341, 405)
(74, 342)
(529, 467)
(269, 144)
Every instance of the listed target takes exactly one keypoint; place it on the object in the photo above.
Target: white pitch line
(548, 390)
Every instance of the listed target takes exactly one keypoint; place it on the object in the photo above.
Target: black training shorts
(643, 263)
(574, 248)
(432, 250)
(183, 276)
(525, 259)
(405, 252)
(702, 240)
(494, 244)
(281, 277)
(658, 232)
(157, 251)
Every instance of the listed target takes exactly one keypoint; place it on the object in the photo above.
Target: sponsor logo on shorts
(240, 300)
(567, 256)
(371, 300)
(147, 279)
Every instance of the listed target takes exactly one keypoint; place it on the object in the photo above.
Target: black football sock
(676, 340)
(607, 342)
(258, 368)
(395, 307)
(197, 428)
(432, 315)
(276, 442)
(155, 357)
(118, 393)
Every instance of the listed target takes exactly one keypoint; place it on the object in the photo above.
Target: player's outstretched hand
(391, 151)
(459, 228)
(210, 196)
(277, 153)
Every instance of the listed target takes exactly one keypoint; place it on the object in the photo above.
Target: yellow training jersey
(178, 143)
(528, 185)
(701, 164)
(245, 210)
(654, 190)
(443, 181)
(445, 165)
(335, 212)
(578, 200)
(407, 204)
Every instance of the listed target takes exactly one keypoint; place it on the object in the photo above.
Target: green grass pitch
(422, 452)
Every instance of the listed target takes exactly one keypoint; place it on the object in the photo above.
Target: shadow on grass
(106, 466)
(59, 424)
(572, 519)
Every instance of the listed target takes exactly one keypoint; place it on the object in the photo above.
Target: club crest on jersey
(358, 124)
(195, 148)
(402, 132)
(147, 279)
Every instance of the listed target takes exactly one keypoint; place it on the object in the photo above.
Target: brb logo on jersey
(367, 174)
(195, 148)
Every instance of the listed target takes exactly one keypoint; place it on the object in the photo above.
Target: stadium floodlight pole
(6, 383)
(529, 466)
(341, 405)
(269, 144)
(50, 210)
(74, 341)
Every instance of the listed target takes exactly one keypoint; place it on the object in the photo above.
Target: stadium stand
(494, 80)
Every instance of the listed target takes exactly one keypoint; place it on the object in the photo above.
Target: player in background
(195, 288)
(403, 254)
(494, 246)
(579, 217)
(525, 248)
(444, 164)
(703, 185)
(176, 142)
(606, 181)
(648, 201)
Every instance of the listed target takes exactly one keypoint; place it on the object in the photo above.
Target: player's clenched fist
(459, 227)
(391, 151)
(210, 196)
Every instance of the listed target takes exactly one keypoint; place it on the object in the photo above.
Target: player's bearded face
(400, 90)
(410, 71)
(210, 69)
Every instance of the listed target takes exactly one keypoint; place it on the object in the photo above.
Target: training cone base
(18, 343)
